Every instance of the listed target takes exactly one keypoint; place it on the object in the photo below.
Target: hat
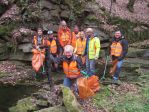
(50, 32)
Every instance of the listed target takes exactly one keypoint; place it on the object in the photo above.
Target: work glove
(96, 57)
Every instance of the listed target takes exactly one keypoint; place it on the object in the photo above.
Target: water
(9, 95)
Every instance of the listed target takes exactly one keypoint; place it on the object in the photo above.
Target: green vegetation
(112, 101)
(127, 29)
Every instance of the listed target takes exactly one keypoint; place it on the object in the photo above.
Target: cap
(50, 32)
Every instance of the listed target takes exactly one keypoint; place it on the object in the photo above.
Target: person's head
(68, 51)
(82, 34)
(90, 32)
(39, 31)
(63, 24)
(50, 34)
(117, 34)
(76, 29)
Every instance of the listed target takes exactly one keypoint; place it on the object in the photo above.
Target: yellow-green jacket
(94, 48)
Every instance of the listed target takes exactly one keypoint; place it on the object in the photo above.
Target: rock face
(20, 18)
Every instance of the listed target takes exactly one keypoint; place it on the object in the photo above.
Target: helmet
(50, 32)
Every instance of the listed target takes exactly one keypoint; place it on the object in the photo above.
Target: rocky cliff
(20, 18)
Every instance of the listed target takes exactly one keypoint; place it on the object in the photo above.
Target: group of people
(77, 50)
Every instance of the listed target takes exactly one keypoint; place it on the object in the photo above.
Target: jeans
(90, 66)
(68, 82)
(118, 69)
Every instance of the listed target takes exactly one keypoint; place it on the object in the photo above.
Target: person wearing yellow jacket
(91, 51)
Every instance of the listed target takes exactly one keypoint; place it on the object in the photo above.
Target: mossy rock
(24, 105)
(70, 101)
(134, 53)
(53, 109)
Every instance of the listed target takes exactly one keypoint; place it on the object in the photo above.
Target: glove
(96, 58)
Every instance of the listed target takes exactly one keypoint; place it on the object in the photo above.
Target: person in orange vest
(38, 41)
(75, 34)
(64, 34)
(53, 44)
(80, 46)
(71, 65)
(39, 45)
(118, 51)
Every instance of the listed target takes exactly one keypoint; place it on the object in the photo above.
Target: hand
(96, 58)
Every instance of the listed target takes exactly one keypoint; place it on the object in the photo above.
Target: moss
(24, 105)
(70, 101)
(6, 29)
(127, 29)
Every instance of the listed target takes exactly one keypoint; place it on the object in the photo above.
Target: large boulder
(70, 101)
(24, 105)
(53, 109)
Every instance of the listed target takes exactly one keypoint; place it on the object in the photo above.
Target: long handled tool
(105, 68)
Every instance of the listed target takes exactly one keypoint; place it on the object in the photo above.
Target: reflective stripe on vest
(65, 36)
(71, 69)
(116, 49)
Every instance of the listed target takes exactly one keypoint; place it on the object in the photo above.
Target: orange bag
(83, 88)
(88, 86)
(93, 83)
(38, 59)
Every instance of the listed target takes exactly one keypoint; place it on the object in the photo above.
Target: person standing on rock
(75, 34)
(64, 35)
(91, 51)
(80, 46)
(72, 65)
(118, 51)
(53, 44)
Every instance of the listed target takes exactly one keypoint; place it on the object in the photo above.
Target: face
(82, 34)
(117, 34)
(89, 34)
(68, 54)
(76, 29)
(40, 32)
(50, 35)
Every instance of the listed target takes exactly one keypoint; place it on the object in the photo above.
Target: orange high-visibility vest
(64, 36)
(35, 41)
(71, 70)
(116, 49)
(53, 46)
(73, 41)
(80, 44)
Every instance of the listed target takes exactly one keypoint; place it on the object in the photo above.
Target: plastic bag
(38, 59)
(87, 86)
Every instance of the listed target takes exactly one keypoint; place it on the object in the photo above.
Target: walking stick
(105, 68)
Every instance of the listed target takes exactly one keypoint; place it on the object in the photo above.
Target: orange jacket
(53, 46)
(64, 37)
(73, 39)
(80, 46)
(116, 49)
(71, 70)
